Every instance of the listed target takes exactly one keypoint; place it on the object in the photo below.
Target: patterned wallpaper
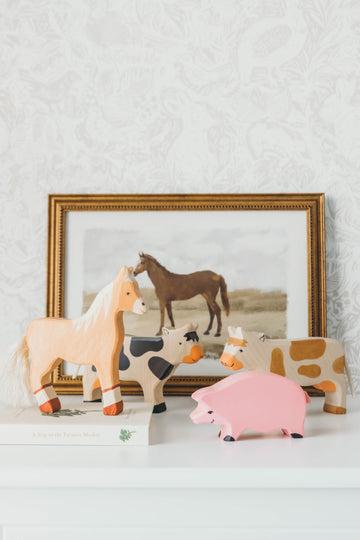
(178, 96)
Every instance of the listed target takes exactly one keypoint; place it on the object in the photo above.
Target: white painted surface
(184, 455)
(86, 533)
(190, 480)
(164, 96)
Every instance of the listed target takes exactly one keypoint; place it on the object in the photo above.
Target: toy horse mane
(102, 299)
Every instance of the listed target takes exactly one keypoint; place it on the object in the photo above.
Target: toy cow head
(184, 343)
(237, 348)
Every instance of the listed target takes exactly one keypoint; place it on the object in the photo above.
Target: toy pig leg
(110, 385)
(335, 395)
(43, 389)
(230, 433)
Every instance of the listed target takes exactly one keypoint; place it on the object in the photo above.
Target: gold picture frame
(61, 205)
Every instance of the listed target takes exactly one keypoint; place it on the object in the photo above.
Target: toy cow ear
(196, 326)
(231, 330)
(262, 337)
(239, 332)
(131, 270)
(165, 331)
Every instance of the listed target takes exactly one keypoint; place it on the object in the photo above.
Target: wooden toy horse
(314, 361)
(96, 338)
(169, 287)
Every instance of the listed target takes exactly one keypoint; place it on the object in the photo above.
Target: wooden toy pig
(314, 361)
(150, 361)
(254, 400)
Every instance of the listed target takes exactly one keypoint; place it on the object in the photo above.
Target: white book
(77, 423)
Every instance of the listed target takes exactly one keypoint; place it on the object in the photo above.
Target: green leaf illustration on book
(66, 412)
(125, 435)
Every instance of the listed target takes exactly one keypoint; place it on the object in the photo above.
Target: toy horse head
(129, 298)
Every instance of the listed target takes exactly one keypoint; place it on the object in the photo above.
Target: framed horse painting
(255, 261)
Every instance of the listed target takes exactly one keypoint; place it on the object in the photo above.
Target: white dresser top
(182, 454)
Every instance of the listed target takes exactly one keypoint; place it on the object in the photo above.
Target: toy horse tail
(350, 379)
(224, 295)
(15, 387)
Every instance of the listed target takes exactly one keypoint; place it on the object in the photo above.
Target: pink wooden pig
(254, 400)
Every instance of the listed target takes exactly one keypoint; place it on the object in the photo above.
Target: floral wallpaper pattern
(178, 96)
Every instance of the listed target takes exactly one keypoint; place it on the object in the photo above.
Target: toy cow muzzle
(196, 353)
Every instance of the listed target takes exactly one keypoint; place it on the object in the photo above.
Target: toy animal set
(265, 398)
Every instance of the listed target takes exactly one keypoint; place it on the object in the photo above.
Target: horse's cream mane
(102, 299)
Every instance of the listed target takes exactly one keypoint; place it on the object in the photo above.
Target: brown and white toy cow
(314, 361)
(150, 361)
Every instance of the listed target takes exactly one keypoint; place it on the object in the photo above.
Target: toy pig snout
(195, 354)
(197, 415)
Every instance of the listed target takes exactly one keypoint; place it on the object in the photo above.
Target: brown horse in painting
(169, 287)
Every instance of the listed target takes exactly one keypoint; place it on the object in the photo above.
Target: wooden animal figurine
(170, 286)
(313, 361)
(253, 400)
(150, 361)
(95, 338)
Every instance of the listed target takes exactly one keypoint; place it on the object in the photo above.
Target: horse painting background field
(252, 256)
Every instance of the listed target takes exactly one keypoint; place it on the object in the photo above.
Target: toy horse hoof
(229, 438)
(296, 436)
(50, 406)
(206, 333)
(159, 408)
(114, 409)
(218, 334)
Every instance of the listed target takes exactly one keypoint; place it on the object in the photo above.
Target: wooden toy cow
(150, 361)
(313, 361)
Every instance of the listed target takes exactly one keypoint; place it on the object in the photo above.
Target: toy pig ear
(165, 331)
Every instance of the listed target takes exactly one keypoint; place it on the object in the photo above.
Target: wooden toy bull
(253, 400)
(150, 361)
(314, 361)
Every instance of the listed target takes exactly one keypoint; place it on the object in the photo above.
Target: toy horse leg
(110, 385)
(335, 395)
(91, 385)
(43, 389)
